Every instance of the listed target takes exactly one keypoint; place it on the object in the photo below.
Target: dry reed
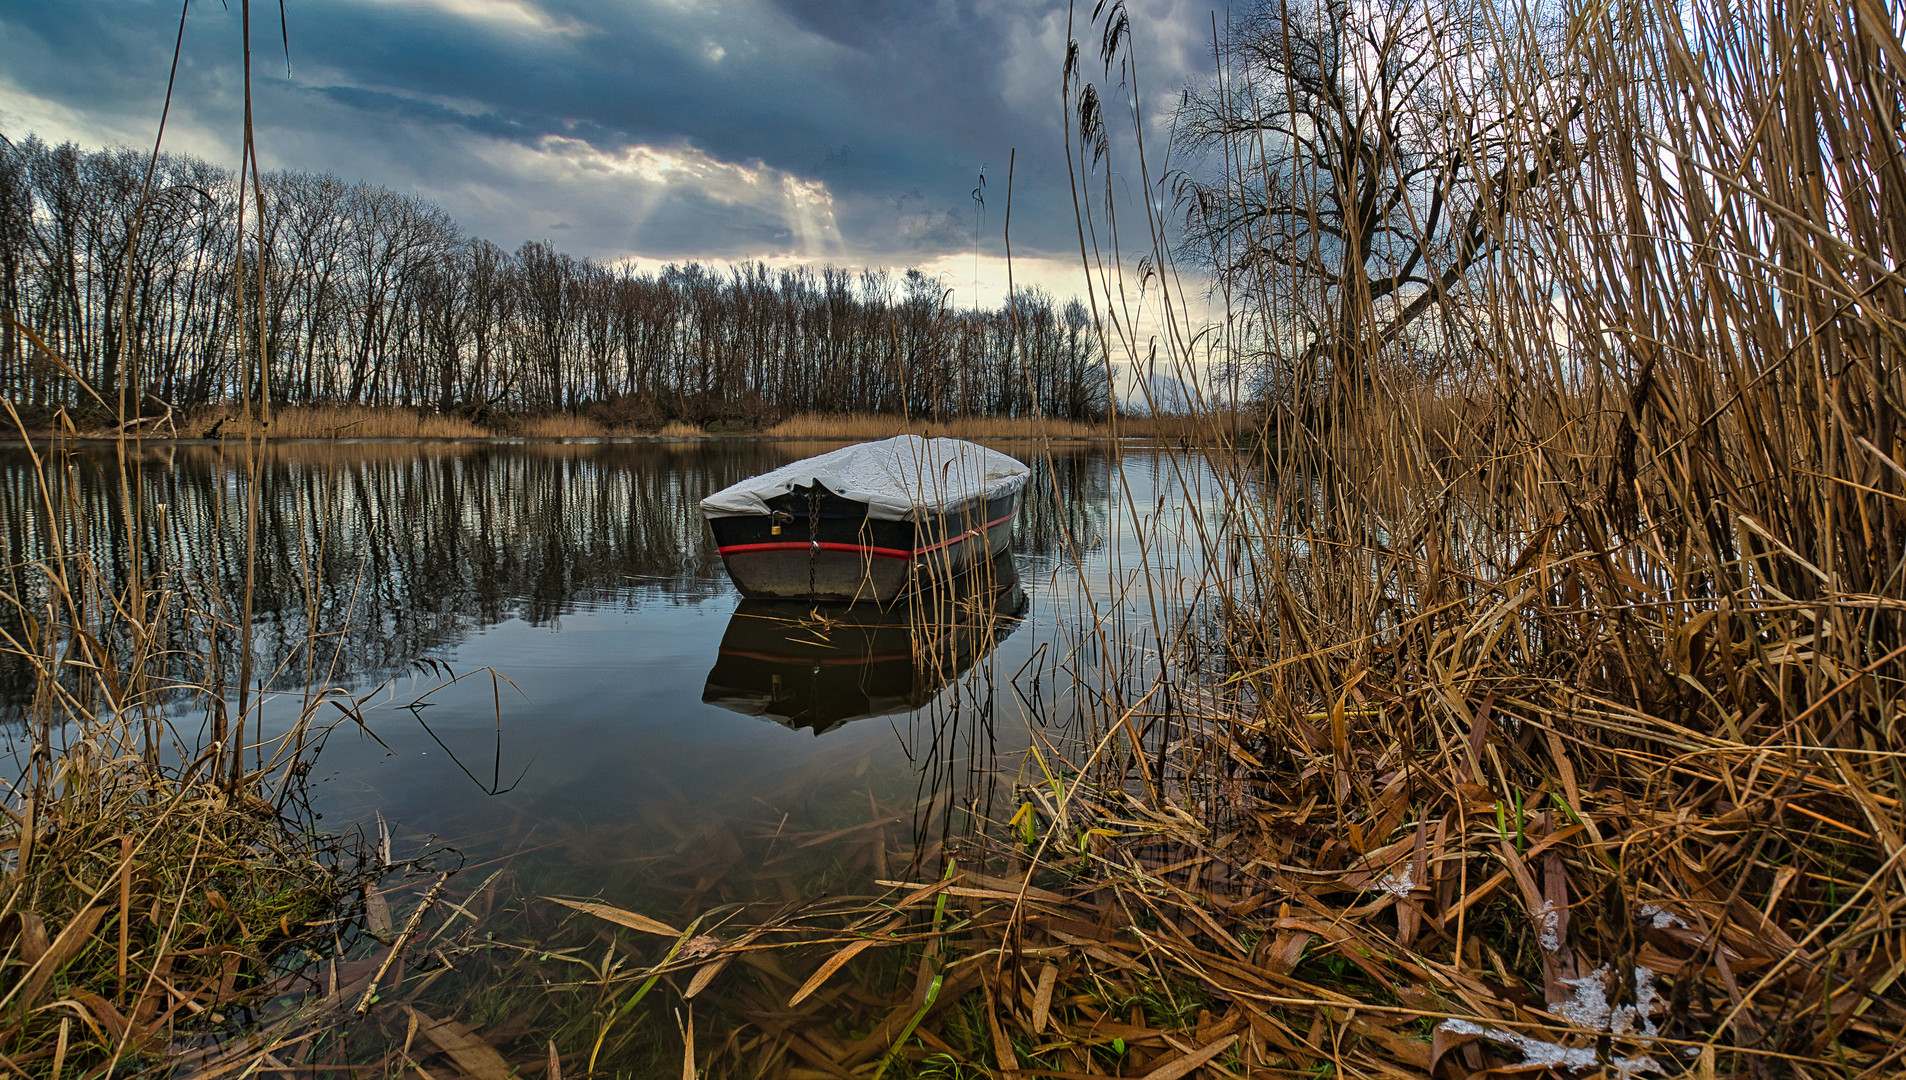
(364, 422)
(1569, 678)
(559, 426)
(1557, 728)
(854, 428)
(308, 422)
(332, 422)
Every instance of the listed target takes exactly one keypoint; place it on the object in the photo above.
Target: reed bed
(1553, 723)
(559, 426)
(573, 426)
(318, 422)
(858, 428)
(332, 422)
(1210, 427)
(304, 422)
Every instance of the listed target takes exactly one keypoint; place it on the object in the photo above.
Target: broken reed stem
(410, 929)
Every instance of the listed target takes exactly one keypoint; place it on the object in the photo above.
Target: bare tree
(1350, 165)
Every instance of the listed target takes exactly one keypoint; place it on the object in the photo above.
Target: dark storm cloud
(846, 129)
(370, 103)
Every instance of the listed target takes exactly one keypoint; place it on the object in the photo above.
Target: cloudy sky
(840, 131)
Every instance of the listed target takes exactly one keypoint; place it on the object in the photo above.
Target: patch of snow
(1662, 920)
(1589, 1011)
(1548, 923)
(1534, 1051)
(1590, 1007)
(1397, 885)
(1643, 1009)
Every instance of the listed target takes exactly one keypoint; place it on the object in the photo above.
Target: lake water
(569, 613)
(563, 695)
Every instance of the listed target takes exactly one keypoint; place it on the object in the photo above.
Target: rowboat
(818, 666)
(868, 522)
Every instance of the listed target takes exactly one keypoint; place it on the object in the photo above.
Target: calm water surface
(571, 609)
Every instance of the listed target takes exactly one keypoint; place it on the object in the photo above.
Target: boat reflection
(818, 666)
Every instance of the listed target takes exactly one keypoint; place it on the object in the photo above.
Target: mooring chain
(813, 535)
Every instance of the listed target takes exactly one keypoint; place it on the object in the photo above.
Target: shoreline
(362, 424)
(39, 439)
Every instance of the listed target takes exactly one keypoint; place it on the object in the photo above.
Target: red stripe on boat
(882, 552)
(963, 536)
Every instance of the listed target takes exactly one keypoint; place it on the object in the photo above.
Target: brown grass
(333, 422)
(1585, 665)
(559, 426)
(852, 428)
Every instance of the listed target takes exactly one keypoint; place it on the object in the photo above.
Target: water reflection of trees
(1066, 501)
(398, 551)
(392, 552)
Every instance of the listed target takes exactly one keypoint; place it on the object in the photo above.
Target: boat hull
(813, 544)
(815, 667)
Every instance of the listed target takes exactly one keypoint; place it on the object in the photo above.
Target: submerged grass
(147, 911)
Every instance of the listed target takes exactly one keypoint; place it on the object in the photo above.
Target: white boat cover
(897, 478)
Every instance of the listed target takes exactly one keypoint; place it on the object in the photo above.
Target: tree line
(377, 297)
